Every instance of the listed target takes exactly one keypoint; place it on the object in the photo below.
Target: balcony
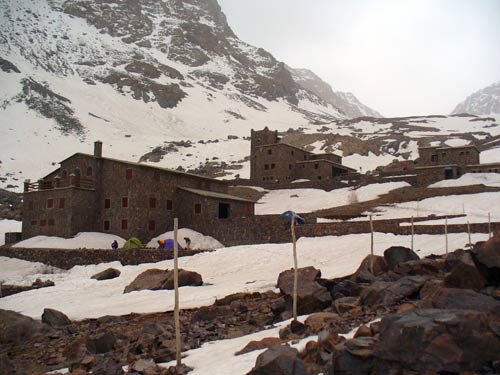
(57, 183)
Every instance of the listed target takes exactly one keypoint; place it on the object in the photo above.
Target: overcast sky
(400, 57)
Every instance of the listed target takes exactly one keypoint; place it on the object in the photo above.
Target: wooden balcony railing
(71, 181)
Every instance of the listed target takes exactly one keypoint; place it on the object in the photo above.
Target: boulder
(398, 254)
(311, 296)
(387, 293)
(101, 344)
(465, 276)
(424, 266)
(156, 279)
(107, 274)
(279, 360)
(444, 341)
(320, 321)
(363, 273)
(265, 343)
(345, 288)
(17, 329)
(343, 305)
(55, 318)
(108, 367)
(487, 259)
(465, 299)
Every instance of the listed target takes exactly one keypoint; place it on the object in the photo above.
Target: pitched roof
(216, 195)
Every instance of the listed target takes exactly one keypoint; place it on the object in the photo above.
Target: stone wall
(68, 258)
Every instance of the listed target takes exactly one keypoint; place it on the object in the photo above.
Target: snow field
(224, 271)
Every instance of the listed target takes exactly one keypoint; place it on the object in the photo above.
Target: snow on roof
(212, 194)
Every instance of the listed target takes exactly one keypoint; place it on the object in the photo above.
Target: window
(52, 222)
(316, 166)
(152, 202)
(289, 166)
(269, 152)
(30, 205)
(223, 210)
(249, 209)
(434, 158)
(319, 177)
(33, 222)
(77, 171)
(106, 225)
(151, 225)
(467, 152)
(291, 152)
(273, 166)
(89, 172)
(266, 166)
(197, 208)
(169, 204)
(125, 202)
(305, 157)
(156, 176)
(43, 223)
(128, 174)
(62, 202)
(107, 203)
(50, 203)
(124, 224)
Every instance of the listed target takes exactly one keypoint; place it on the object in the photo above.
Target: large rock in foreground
(311, 296)
(17, 329)
(55, 318)
(487, 258)
(107, 274)
(444, 341)
(279, 360)
(396, 255)
(156, 279)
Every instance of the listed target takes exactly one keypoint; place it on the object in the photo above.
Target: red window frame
(51, 222)
(107, 203)
(169, 204)
(128, 174)
(34, 222)
(89, 171)
(50, 203)
(62, 202)
(152, 225)
(249, 209)
(197, 208)
(152, 202)
(125, 202)
(124, 224)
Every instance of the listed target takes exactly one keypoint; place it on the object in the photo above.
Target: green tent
(133, 243)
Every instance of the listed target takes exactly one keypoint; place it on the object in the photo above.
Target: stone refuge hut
(275, 162)
(444, 163)
(91, 193)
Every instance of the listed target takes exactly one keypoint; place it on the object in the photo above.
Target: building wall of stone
(331, 157)
(485, 168)
(276, 163)
(427, 176)
(452, 155)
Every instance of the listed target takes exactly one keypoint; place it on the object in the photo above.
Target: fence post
(489, 225)
(295, 271)
(468, 231)
(446, 232)
(412, 233)
(371, 245)
(418, 204)
(176, 308)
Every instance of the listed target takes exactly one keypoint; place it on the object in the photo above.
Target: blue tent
(169, 245)
(291, 214)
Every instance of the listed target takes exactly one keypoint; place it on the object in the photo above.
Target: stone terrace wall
(68, 258)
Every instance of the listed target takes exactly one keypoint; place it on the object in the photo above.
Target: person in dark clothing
(188, 242)
(114, 245)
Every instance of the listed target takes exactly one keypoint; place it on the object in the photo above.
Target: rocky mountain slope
(484, 102)
(346, 102)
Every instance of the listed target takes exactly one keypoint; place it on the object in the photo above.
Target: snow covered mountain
(346, 102)
(168, 82)
(484, 102)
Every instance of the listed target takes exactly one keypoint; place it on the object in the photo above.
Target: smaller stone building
(275, 162)
(91, 193)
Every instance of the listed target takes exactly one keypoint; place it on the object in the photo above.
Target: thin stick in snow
(489, 225)
(446, 232)
(295, 270)
(176, 308)
(412, 233)
(371, 245)
(468, 231)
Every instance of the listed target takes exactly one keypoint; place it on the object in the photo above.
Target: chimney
(98, 149)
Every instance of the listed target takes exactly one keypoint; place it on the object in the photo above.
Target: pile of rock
(444, 317)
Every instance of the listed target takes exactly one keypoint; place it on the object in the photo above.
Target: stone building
(275, 162)
(91, 193)
(444, 163)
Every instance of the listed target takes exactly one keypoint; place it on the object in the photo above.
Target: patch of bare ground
(405, 194)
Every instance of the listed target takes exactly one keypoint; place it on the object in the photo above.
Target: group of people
(162, 244)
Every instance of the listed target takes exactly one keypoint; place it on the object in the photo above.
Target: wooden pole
(489, 225)
(468, 231)
(446, 232)
(412, 233)
(418, 204)
(295, 270)
(371, 245)
(176, 308)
